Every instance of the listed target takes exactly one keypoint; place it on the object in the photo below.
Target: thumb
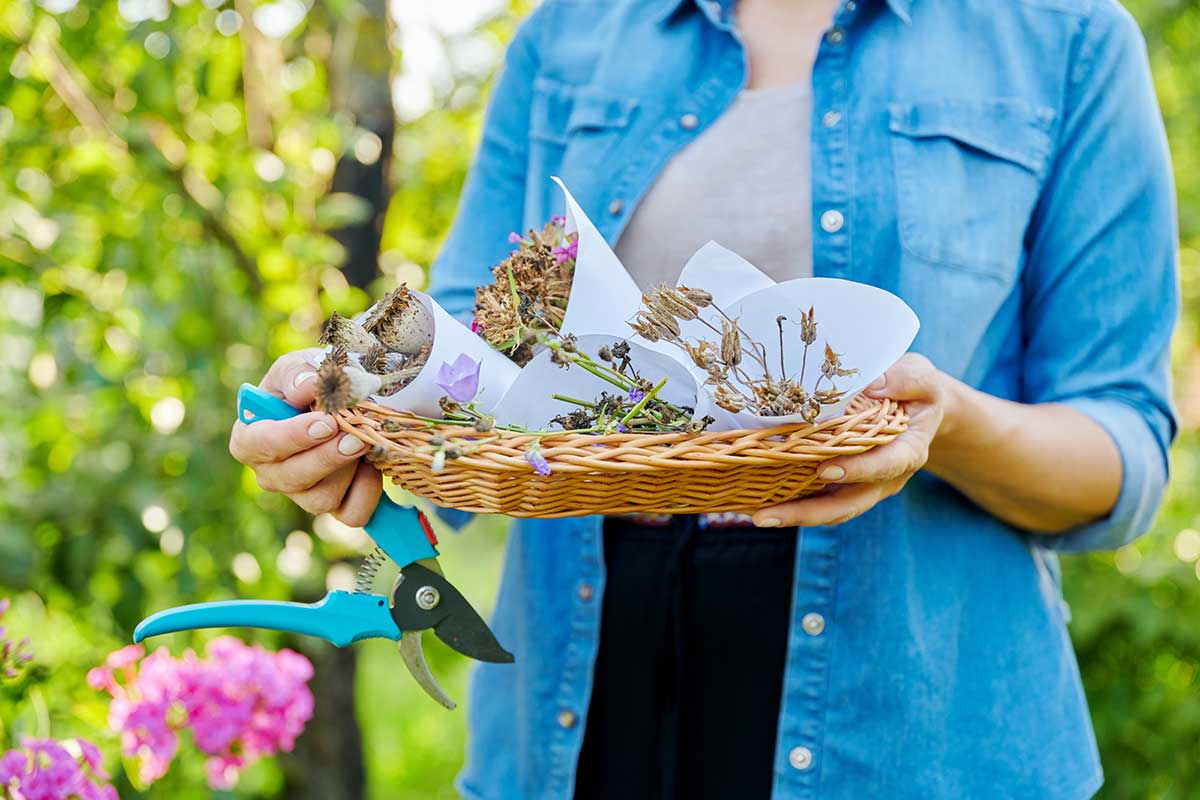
(292, 378)
(913, 377)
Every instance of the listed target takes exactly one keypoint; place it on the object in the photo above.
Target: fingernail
(878, 384)
(320, 430)
(302, 377)
(350, 444)
(834, 473)
(768, 522)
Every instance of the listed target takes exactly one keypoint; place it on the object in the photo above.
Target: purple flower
(460, 379)
(569, 252)
(621, 428)
(558, 220)
(533, 454)
(515, 238)
(636, 395)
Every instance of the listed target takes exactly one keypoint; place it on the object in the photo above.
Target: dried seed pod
(730, 401)
(644, 326)
(341, 331)
(808, 327)
(375, 360)
(333, 387)
(731, 344)
(701, 353)
(338, 355)
(699, 297)
(400, 321)
(390, 425)
(664, 321)
(675, 303)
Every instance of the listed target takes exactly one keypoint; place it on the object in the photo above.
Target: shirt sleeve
(1100, 287)
(493, 198)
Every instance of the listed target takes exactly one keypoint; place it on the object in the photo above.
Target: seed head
(699, 297)
(731, 343)
(341, 331)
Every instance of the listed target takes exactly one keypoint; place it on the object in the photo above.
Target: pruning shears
(421, 597)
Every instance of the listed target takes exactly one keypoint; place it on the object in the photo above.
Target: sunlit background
(187, 189)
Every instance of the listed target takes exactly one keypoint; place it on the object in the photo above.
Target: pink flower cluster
(240, 703)
(43, 769)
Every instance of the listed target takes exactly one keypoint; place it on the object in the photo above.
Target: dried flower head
(731, 343)
(832, 367)
(400, 321)
(375, 360)
(808, 327)
(729, 400)
(341, 331)
(333, 387)
(528, 292)
(699, 297)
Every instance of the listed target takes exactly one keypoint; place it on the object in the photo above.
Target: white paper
(450, 339)
(603, 295)
(868, 327)
(722, 273)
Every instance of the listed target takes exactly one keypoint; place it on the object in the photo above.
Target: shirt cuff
(1143, 479)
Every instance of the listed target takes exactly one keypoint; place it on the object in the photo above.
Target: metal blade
(423, 599)
(414, 658)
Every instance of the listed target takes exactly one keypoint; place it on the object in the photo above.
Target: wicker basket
(674, 473)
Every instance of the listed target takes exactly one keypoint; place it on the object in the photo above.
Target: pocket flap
(562, 109)
(1007, 129)
(594, 109)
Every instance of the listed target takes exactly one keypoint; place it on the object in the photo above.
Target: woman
(1000, 166)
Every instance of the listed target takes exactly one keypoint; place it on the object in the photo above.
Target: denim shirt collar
(719, 12)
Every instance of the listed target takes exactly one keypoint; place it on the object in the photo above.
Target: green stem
(573, 400)
(633, 412)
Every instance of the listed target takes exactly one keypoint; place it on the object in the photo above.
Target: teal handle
(340, 618)
(396, 529)
(255, 405)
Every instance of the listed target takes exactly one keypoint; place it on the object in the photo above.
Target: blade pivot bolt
(428, 598)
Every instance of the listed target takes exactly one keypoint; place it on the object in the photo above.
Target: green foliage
(165, 231)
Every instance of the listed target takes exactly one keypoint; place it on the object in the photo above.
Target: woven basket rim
(857, 429)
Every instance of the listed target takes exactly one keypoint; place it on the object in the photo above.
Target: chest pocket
(560, 111)
(968, 174)
(575, 132)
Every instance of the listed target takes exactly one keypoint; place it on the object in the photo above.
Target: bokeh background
(187, 188)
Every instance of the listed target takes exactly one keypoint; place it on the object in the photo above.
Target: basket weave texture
(674, 473)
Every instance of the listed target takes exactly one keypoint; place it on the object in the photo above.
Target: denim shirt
(1002, 167)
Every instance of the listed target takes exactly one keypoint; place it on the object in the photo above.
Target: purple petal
(460, 380)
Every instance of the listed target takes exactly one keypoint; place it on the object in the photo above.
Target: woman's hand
(303, 457)
(856, 483)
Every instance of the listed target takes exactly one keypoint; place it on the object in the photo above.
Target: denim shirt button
(801, 758)
(586, 592)
(813, 624)
(832, 221)
(689, 122)
(851, 6)
(616, 207)
(830, 119)
(567, 718)
(835, 36)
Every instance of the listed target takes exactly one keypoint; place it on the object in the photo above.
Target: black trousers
(688, 678)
